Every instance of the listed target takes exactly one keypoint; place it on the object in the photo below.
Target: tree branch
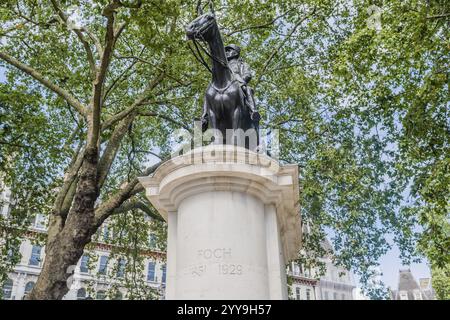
(121, 115)
(119, 78)
(278, 48)
(263, 25)
(112, 148)
(438, 16)
(50, 85)
(139, 59)
(69, 178)
(67, 203)
(106, 208)
(155, 114)
(136, 204)
(80, 36)
(96, 103)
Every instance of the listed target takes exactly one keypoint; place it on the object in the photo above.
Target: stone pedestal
(233, 223)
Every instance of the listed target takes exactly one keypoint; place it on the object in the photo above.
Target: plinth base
(233, 223)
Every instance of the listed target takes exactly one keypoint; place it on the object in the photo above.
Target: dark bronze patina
(229, 102)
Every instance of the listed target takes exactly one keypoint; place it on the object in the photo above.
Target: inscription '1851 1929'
(216, 261)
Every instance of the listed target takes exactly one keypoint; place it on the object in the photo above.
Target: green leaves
(363, 112)
(403, 77)
(441, 282)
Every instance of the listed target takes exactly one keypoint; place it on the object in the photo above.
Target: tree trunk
(65, 248)
(64, 252)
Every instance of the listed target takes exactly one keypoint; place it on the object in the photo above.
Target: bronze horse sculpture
(224, 105)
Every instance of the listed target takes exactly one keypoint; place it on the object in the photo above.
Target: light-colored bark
(79, 33)
(137, 103)
(71, 100)
(113, 147)
(104, 210)
(74, 217)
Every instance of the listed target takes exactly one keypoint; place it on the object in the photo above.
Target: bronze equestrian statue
(229, 102)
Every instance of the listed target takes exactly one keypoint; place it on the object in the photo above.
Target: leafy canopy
(363, 111)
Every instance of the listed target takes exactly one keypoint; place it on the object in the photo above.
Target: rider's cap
(234, 47)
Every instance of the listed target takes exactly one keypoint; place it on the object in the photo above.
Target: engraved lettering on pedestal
(230, 269)
(217, 253)
(196, 270)
(219, 257)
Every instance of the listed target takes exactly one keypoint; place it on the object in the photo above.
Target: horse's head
(201, 28)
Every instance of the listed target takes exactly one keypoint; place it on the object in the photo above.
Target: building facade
(409, 289)
(91, 276)
(89, 279)
(306, 284)
(303, 282)
(336, 284)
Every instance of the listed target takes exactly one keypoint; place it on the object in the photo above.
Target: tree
(88, 82)
(441, 283)
(102, 87)
(401, 73)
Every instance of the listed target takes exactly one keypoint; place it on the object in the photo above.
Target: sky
(390, 264)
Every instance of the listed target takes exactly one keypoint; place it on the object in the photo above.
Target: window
(5, 201)
(35, 258)
(325, 295)
(7, 289)
(81, 294)
(40, 221)
(28, 287)
(152, 241)
(103, 265)
(119, 234)
(417, 295)
(101, 295)
(296, 269)
(343, 296)
(163, 268)
(151, 271)
(105, 233)
(121, 268)
(308, 294)
(10, 255)
(403, 295)
(307, 272)
(84, 264)
(335, 296)
(297, 293)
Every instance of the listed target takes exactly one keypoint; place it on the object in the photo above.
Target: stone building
(88, 279)
(87, 274)
(306, 283)
(303, 282)
(90, 272)
(336, 284)
(409, 289)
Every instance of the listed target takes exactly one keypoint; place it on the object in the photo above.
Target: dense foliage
(359, 94)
